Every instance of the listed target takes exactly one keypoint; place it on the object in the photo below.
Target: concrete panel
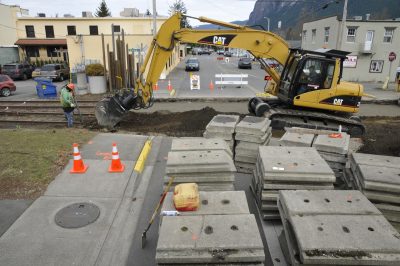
(223, 124)
(296, 139)
(250, 146)
(199, 161)
(334, 145)
(380, 178)
(96, 182)
(213, 203)
(201, 178)
(375, 160)
(100, 147)
(326, 202)
(35, 239)
(297, 186)
(370, 238)
(252, 125)
(333, 157)
(199, 144)
(219, 135)
(382, 196)
(254, 138)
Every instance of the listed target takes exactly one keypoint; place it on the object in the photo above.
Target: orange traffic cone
(211, 86)
(169, 85)
(79, 167)
(155, 87)
(116, 165)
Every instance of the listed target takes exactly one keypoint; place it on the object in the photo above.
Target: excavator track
(283, 116)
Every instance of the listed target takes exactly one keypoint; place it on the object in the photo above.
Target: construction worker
(68, 103)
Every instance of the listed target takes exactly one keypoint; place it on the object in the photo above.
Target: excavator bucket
(111, 110)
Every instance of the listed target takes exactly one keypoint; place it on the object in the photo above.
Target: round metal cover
(77, 215)
(224, 119)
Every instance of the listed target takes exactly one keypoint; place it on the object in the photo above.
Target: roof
(41, 42)
(351, 19)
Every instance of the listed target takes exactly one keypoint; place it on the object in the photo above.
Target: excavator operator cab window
(316, 74)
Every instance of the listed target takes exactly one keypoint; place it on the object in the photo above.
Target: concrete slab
(276, 186)
(370, 238)
(327, 143)
(214, 203)
(223, 124)
(220, 186)
(391, 212)
(219, 135)
(35, 239)
(296, 139)
(248, 153)
(333, 157)
(375, 160)
(382, 196)
(200, 144)
(96, 182)
(100, 147)
(209, 239)
(249, 146)
(307, 202)
(380, 178)
(223, 177)
(254, 138)
(199, 161)
(246, 159)
(252, 125)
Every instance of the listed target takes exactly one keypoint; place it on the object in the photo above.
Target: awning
(41, 42)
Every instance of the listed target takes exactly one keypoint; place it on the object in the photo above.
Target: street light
(268, 21)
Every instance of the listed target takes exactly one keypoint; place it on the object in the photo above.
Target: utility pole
(267, 21)
(154, 18)
(342, 27)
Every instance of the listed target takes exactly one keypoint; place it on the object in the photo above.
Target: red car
(7, 85)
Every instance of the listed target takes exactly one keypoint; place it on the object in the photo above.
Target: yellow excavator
(308, 92)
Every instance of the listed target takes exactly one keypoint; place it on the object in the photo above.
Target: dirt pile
(382, 136)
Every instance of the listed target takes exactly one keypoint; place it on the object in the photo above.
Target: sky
(225, 10)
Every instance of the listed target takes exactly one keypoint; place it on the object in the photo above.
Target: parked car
(192, 64)
(227, 54)
(36, 73)
(55, 71)
(7, 85)
(244, 62)
(17, 70)
(205, 51)
(220, 52)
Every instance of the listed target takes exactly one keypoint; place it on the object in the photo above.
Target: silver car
(55, 72)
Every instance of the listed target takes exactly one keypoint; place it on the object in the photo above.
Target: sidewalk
(389, 96)
(36, 239)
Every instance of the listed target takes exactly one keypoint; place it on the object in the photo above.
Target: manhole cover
(77, 215)
(224, 119)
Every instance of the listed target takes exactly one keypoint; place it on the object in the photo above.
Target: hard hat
(71, 86)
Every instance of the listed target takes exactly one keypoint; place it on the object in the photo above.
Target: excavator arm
(261, 44)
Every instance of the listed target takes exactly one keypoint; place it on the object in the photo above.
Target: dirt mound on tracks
(382, 136)
(183, 124)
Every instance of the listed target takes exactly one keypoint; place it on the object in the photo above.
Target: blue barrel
(45, 88)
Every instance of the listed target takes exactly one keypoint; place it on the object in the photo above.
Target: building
(78, 39)
(8, 32)
(369, 41)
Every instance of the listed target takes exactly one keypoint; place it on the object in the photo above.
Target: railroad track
(41, 113)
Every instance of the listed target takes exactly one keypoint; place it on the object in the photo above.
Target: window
(30, 31)
(326, 35)
(49, 31)
(351, 34)
(71, 30)
(304, 36)
(51, 51)
(313, 34)
(387, 38)
(117, 28)
(94, 30)
(32, 51)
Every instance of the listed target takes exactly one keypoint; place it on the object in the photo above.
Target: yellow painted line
(139, 166)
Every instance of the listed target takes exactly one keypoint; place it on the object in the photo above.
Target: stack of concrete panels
(210, 240)
(200, 144)
(222, 126)
(250, 133)
(378, 177)
(210, 169)
(281, 168)
(334, 149)
(296, 139)
(335, 228)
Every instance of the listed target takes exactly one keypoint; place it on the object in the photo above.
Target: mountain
(212, 26)
(293, 14)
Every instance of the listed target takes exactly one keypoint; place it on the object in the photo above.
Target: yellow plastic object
(186, 197)
(143, 156)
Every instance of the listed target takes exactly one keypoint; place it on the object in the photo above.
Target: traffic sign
(267, 78)
(392, 56)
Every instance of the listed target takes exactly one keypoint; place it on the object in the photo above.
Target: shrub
(95, 70)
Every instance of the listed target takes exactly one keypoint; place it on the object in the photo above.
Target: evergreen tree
(148, 13)
(179, 6)
(102, 10)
